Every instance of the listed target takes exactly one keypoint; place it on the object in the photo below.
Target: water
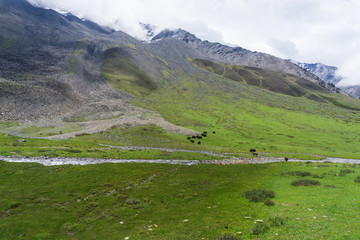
(53, 161)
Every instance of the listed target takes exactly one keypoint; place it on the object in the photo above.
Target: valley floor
(55, 161)
(309, 200)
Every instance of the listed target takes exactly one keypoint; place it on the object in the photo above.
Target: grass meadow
(160, 201)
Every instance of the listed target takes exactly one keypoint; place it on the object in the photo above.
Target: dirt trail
(125, 121)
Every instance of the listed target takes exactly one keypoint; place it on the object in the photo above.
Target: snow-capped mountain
(324, 72)
(328, 74)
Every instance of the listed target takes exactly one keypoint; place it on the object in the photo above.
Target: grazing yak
(188, 138)
(199, 142)
(252, 150)
(255, 154)
(192, 141)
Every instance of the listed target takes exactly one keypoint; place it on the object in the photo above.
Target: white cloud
(326, 31)
(285, 48)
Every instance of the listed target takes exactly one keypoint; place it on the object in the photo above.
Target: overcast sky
(326, 31)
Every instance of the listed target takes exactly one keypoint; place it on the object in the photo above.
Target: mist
(326, 31)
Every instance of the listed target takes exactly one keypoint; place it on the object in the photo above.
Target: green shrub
(260, 228)
(269, 202)
(357, 179)
(73, 150)
(259, 195)
(14, 205)
(277, 221)
(74, 227)
(317, 176)
(298, 173)
(227, 236)
(132, 201)
(345, 171)
(305, 182)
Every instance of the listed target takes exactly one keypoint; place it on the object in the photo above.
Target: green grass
(73, 148)
(296, 116)
(123, 74)
(34, 131)
(245, 118)
(277, 82)
(176, 202)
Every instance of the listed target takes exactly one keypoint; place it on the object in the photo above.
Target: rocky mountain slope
(50, 63)
(324, 72)
(328, 75)
(59, 65)
(233, 55)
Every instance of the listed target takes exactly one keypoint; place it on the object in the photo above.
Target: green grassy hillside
(305, 119)
(122, 74)
(277, 82)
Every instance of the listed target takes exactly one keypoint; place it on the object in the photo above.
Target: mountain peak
(179, 34)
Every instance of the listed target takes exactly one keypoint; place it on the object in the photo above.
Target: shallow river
(52, 161)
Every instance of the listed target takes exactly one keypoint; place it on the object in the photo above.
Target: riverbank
(53, 161)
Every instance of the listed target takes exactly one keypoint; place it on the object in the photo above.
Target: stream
(53, 161)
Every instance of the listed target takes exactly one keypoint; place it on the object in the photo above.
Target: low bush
(277, 221)
(298, 173)
(357, 179)
(260, 228)
(14, 205)
(132, 201)
(345, 171)
(317, 176)
(259, 195)
(269, 202)
(73, 150)
(305, 182)
(81, 134)
(73, 227)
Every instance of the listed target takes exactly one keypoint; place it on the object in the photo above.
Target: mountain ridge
(328, 74)
(52, 65)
